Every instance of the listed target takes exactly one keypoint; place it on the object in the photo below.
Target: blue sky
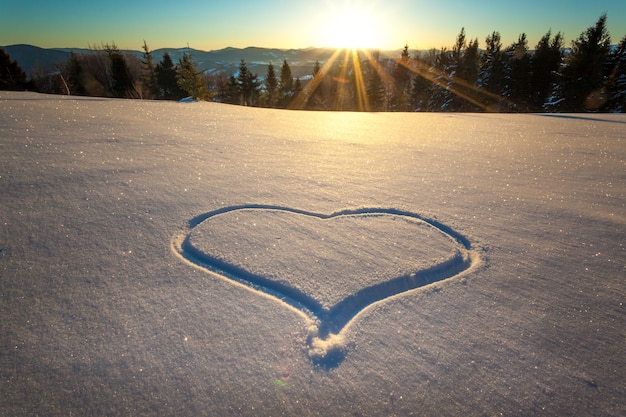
(210, 25)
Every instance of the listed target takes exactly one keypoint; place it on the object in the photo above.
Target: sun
(351, 26)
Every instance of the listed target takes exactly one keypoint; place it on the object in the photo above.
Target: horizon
(299, 25)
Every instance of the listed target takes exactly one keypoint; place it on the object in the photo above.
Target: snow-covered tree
(544, 64)
(518, 89)
(616, 79)
(375, 88)
(582, 78)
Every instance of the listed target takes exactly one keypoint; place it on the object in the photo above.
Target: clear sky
(384, 24)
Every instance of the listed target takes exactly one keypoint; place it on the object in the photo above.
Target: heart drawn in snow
(330, 266)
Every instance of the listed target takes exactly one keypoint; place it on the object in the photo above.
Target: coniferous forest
(469, 76)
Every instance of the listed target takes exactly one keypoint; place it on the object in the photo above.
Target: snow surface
(103, 314)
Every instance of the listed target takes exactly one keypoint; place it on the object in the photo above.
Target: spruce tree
(468, 69)
(149, 87)
(616, 79)
(315, 99)
(122, 85)
(402, 79)
(165, 72)
(271, 86)
(190, 79)
(375, 88)
(582, 79)
(421, 85)
(518, 74)
(492, 76)
(544, 64)
(441, 96)
(297, 87)
(247, 84)
(233, 96)
(12, 77)
(285, 86)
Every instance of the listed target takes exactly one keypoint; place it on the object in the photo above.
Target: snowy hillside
(189, 259)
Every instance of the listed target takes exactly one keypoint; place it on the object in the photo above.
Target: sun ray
(302, 98)
(361, 90)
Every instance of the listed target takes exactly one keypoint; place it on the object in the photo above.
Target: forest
(589, 75)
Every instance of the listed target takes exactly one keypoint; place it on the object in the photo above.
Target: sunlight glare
(351, 27)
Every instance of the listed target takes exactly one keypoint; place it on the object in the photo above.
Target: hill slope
(101, 315)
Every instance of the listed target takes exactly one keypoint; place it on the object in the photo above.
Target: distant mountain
(33, 59)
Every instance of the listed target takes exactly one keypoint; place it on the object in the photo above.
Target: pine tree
(440, 94)
(233, 96)
(422, 85)
(12, 77)
(271, 86)
(402, 80)
(492, 77)
(190, 79)
(285, 87)
(149, 87)
(518, 74)
(375, 87)
(316, 87)
(165, 72)
(544, 64)
(297, 87)
(468, 69)
(582, 79)
(247, 84)
(122, 85)
(616, 79)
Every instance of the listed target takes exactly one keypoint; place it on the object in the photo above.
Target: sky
(285, 24)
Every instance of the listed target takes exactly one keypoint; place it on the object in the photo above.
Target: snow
(104, 313)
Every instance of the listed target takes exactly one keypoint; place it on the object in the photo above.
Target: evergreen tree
(581, 82)
(544, 64)
(317, 68)
(462, 72)
(122, 85)
(468, 68)
(248, 85)
(456, 55)
(297, 87)
(149, 88)
(233, 91)
(440, 94)
(271, 86)
(315, 99)
(165, 72)
(492, 77)
(375, 87)
(421, 85)
(402, 80)
(285, 87)
(12, 77)
(616, 79)
(190, 79)
(519, 87)
(74, 75)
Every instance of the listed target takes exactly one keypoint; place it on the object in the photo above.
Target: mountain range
(35, 60)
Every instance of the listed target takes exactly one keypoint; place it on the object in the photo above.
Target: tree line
(590, 75)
